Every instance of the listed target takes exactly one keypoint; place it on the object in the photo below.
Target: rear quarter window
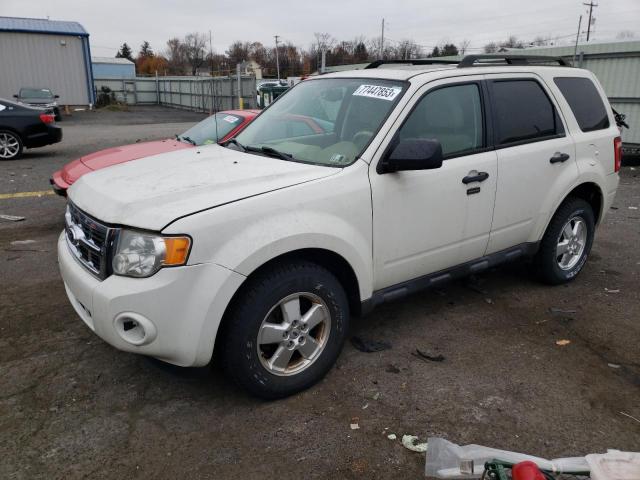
(585, 102)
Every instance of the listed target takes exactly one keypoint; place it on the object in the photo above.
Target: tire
(252, 352)
(10, 145)
(554, 268)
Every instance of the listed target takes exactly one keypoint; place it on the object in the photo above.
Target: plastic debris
(22, 242)
(392, 436)
(448, 460)
(423, 355)
(354, 426)
(613, 365)
(409, 442)
(614, 465)
(369, 346)
(633, 208)
(376, 395)
(611, 291)
(12, 218)
(562, 343)
(560, 311)
(630, 416)
(391, 368)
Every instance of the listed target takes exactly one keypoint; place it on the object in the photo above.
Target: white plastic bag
(614, 465)
(448, 460)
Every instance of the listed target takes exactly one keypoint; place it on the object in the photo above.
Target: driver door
(428, 220)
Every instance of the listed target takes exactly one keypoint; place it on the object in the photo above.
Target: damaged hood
(152, 192)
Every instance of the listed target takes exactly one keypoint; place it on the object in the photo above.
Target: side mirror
(56, 96)
(15, 96)
(411, 154)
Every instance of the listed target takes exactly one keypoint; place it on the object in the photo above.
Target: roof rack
(421, 61)
(470, 60)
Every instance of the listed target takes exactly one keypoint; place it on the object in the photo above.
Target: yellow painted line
(4, 196)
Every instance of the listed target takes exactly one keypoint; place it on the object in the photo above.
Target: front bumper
(180, 308)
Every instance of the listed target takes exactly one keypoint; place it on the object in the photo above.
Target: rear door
(536, 157)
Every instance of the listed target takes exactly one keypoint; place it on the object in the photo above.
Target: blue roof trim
(40, 25)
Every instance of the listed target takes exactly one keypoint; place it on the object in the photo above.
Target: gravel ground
(72, 407)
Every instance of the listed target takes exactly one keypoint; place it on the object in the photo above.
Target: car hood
(152, 192)
(126, 153)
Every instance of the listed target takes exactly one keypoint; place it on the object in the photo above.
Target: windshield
(204, 133)
(36, 93)
(326, 121)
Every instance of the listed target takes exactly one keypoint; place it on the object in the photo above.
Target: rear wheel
(285, 330)
(566, 243)
(10, 145)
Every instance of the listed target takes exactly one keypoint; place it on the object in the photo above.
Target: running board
(443, 276)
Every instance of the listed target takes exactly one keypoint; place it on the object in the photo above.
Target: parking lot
(71, 406)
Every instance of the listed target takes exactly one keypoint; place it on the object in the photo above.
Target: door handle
(475, 177)
(559, 157)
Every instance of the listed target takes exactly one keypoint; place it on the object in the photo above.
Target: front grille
(89, 240)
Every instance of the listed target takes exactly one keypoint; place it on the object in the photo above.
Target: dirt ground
(72, 407)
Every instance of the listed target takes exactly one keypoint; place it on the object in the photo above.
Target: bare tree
(464, 46)
(491, 47)
(175, 55)
(195, 50)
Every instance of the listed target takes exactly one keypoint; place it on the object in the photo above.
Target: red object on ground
(72, 171)
(526, 470)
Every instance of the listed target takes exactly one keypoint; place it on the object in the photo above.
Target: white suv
(351, 190)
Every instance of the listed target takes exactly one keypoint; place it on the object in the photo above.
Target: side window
(585, 102)
(522, 112)
(452, 115)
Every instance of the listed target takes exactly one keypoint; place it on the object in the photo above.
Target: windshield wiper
(236, 143)
(271, 151)
(188, 139)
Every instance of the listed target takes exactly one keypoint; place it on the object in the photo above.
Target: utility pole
(211, 72)
(575, 50)
(277, 58)
(590, 5)
(382, 42)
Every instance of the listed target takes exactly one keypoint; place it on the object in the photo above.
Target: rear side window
(585, 102)
(523, 112)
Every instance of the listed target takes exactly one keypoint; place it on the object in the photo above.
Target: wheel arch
(589, 192)
(332, 261)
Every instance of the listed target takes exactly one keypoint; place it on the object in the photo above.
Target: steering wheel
(362, 137)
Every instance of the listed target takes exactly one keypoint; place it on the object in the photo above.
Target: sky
(427, 22)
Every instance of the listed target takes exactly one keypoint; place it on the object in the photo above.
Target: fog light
(135, 329)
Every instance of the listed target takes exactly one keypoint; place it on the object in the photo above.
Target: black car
(40, 98)
(22, 126)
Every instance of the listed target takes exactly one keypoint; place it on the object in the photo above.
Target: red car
(229, 124)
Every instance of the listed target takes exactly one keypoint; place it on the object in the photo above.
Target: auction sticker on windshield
(376, 91)
(231, 119)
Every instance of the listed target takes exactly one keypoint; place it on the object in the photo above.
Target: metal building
(47, 54)
(111, 67)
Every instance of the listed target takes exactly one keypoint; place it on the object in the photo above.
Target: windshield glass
(204, 133)
(326, 121)
(36, 93)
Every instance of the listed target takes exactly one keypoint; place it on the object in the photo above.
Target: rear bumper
(53, 134)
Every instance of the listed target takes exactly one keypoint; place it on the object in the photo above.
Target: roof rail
(416, 61)
(470, 60)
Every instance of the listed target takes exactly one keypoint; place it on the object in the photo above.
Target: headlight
(141, 254)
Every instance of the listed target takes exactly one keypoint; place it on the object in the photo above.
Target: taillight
(617, 153)
(47, 117)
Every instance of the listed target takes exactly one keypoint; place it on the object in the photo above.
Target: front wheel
(285, 330)
(566, 243)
